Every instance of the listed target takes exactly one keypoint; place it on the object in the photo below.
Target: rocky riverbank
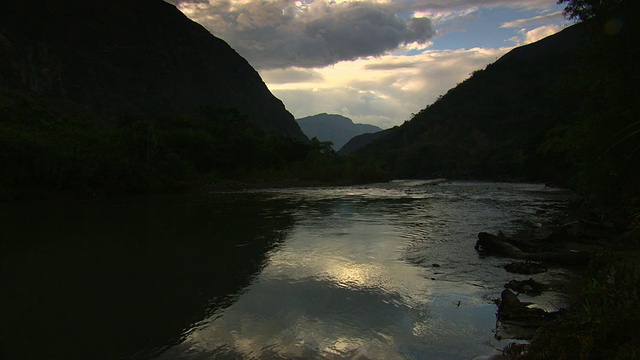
(603, 321)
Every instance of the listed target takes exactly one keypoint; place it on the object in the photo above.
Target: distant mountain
(362, 140)
(123, 58)
(545, 111)
(335, 128)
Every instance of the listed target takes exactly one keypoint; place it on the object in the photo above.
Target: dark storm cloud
(283, 33)
(363, 29)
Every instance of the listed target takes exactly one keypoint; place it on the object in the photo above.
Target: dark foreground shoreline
(603, 318)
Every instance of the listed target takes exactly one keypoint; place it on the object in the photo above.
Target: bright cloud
(536, 20)
(382, 91)
(374, 61)
(540, 33)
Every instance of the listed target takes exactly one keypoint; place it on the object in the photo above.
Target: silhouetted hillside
(335, 128)
(131, 95)
(361, 141)
(118, 58)
(563, 109)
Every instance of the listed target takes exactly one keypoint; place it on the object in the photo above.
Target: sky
(374, 61)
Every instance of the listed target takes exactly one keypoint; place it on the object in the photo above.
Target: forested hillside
(562, 110)
(130, 96)
(122, 58)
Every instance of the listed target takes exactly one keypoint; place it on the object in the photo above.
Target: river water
(383, 271)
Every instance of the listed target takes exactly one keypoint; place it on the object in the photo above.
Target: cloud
(536, 20)
(526, 36)
(383, 90)
(283, 33)
(314, 33)
(541, 32)
(403, 64)
(445, 10)
(370, 60)
(455, 5)
(292, 75)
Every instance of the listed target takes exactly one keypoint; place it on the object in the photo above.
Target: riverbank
(603, 320)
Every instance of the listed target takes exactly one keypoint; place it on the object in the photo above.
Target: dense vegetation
(45, 151)
(132, 96)
(603, 322)
(587, 9)
(562, 110)
(111, 58)
(565, 110)
(600, 146)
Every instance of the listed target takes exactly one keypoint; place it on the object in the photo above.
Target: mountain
(563, 109)
(117, 58)
(362, 140)
(112, 96)
(335, 128)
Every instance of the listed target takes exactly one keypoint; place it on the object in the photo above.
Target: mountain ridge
(333, 127)
(515, 118)
(123, 58)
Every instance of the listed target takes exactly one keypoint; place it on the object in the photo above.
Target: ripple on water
(385, 271)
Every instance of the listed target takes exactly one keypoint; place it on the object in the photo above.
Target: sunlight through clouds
(540, 33)
(397, 85)
(374, 61)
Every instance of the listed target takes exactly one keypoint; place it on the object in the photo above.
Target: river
(383, 271)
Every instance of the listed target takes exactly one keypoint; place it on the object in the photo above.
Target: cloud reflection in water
(354, 278)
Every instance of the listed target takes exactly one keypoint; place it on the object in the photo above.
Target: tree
(585, 9)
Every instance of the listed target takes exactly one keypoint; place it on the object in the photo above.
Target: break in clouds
(284, 33)
(300, 48)
(314, 33)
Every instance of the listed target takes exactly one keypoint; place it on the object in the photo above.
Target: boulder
(516, 319)
(489, 244)
(526, 268)
(529, 287)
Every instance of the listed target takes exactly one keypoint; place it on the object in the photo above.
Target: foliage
(604, 323)
(563, 110)
(586, 9)
(598, 141)
(45, 150)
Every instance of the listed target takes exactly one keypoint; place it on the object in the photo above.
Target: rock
(492, 244)
(529, 287)
(510, 304)
(489, 244)
(517, 319)
(527, 268)
(567, 257)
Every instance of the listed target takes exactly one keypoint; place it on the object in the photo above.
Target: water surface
(385, 271)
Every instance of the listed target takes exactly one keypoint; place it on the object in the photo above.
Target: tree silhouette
(585, 9)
